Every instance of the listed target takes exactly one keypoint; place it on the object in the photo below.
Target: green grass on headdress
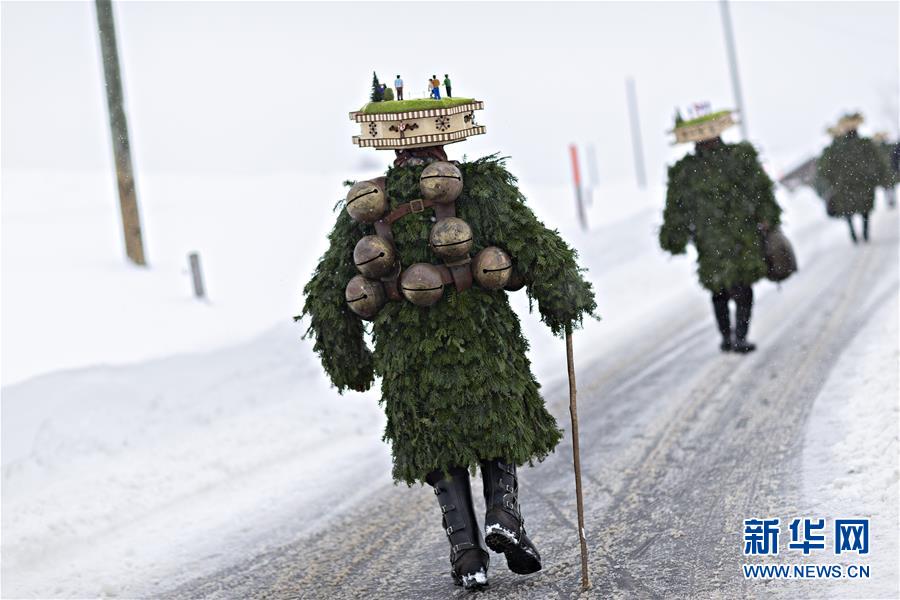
(398, 106)
(703, 119)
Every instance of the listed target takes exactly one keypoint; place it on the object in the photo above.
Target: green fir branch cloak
(717, 198)
(456, 383)
(337, 331)
(847, 174)
(546, 262)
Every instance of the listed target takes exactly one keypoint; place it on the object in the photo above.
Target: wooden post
(131, 219)
(576, 173)
(197, 275)
(573, 412)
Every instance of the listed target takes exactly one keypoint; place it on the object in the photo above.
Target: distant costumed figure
(427, 254)
(890, 153)
(847, 173)
(720, 199)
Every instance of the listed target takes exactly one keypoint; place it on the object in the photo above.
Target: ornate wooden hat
(406, 124)
(846, 124)
(703, 128)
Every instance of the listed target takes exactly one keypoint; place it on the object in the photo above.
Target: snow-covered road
(680, 444)
(239, 473)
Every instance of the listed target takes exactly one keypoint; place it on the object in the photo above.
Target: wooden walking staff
(573, 411)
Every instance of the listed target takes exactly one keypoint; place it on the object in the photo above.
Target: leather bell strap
(460, 275)
(461, 271)
(392, 286)
(441, 210)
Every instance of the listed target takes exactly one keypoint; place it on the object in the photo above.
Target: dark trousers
(865, 227)
(743, 300)
(399, 93)
(449, 93)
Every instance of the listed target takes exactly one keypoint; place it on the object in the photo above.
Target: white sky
(252, 87)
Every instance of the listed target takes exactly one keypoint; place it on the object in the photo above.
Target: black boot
(852, 231)
(504, 527)
(743, 298)
(866, 226)
(469, 558)
(723, 319)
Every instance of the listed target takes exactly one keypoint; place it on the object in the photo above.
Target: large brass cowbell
(451, 240)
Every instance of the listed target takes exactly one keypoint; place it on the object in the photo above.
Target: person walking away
(456, 383)
(447, 85)
(890, 154)
(398, 87)
(720, 199)
(848, 172)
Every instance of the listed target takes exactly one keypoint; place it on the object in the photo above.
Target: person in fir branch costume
(720, 199)
(890, 153)
(456, 384)
(848, 172)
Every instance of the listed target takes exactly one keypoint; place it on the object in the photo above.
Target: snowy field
(148, 437)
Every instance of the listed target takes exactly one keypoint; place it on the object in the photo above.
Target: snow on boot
(469, 558)
(743, 346)
(504, 526)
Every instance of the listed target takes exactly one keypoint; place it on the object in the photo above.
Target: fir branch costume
(717, 198)
(456, 384)
(847, 174)
(891, 176)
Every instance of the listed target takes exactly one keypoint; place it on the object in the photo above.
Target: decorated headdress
(405, 124)
(703, 127)
(846, 124)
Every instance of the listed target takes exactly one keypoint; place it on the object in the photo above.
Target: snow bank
(851, 456)
(120, 481)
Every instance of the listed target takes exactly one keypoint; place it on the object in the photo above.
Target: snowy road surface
(238, 472)
(680, 444)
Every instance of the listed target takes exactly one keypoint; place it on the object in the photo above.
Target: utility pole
(636, 143)
(131, 218)
(732, 62)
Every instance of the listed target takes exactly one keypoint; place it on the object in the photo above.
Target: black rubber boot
(743, 298)
(852, 231)
(723, 319)
(469, 558)
(866, 226)
(504, 527)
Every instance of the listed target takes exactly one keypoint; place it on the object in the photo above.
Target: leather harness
(457, 272)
